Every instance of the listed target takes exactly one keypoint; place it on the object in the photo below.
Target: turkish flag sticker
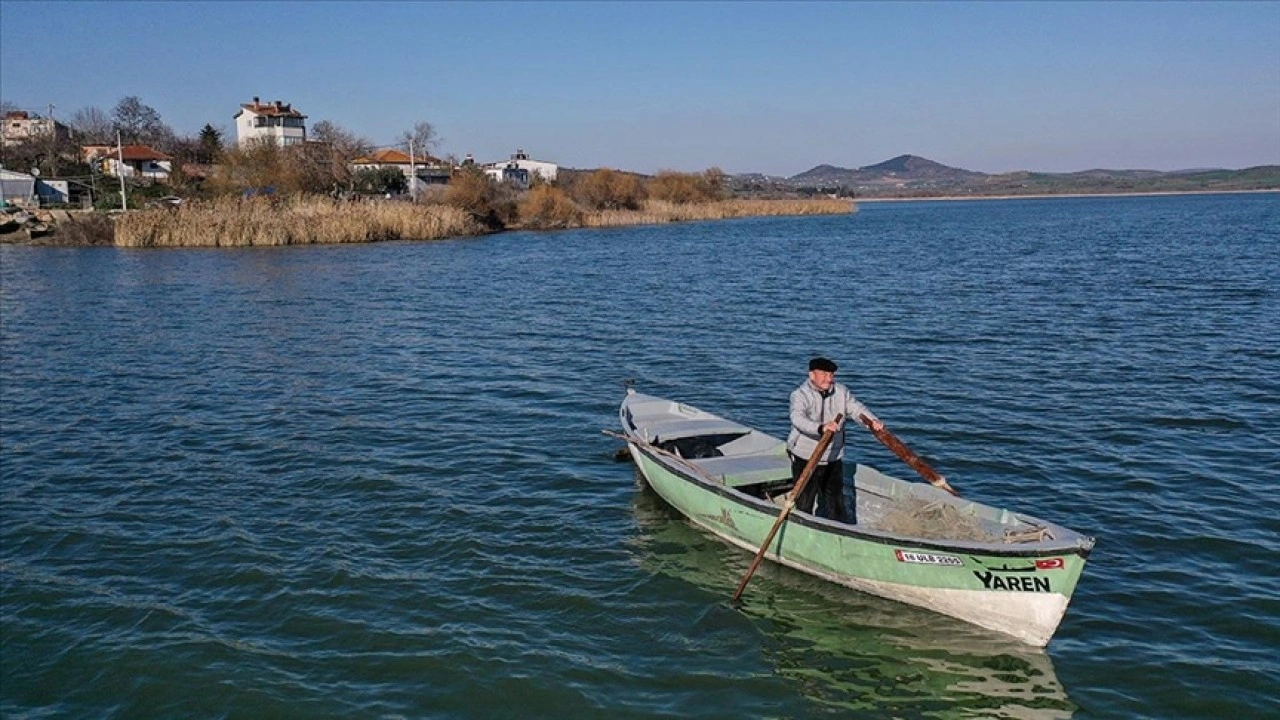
(1050, 564)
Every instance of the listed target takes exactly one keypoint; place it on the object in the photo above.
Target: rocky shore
(56, 227)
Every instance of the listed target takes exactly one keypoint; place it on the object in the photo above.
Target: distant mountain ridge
(915, 176)
(900, 168)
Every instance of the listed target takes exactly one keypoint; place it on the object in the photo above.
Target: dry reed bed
(296, 221)
(659, 211)
(232, 222)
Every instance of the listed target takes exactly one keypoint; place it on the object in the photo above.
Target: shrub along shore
(471, 204)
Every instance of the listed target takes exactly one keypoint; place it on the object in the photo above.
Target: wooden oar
(809, 467)
(901, 450)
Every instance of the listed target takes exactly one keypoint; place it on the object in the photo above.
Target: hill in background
(913, 176)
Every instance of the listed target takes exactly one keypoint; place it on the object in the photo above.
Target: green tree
(380, 180)
(210, 143)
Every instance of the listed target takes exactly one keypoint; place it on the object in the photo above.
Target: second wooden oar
(901, 450)
(809, 467)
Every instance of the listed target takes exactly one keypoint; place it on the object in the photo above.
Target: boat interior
(727, 453)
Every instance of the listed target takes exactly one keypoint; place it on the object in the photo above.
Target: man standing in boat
(814, 406)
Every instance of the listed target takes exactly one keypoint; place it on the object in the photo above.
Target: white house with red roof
(276, 122)
(431, 170)
(138, 161)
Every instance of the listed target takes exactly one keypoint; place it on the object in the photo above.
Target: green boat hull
(1020, 588)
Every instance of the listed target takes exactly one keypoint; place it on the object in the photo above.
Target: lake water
(369, 481)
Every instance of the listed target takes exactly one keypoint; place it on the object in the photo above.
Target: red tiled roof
(390, 156)
(142, 152)
(130, 152)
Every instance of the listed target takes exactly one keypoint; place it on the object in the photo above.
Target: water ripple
(369, 481)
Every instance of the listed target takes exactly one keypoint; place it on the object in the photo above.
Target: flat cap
(821, 363)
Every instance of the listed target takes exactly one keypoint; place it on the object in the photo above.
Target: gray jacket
(811, 409)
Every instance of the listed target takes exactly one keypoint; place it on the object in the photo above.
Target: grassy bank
(230, 222)
(658, 211)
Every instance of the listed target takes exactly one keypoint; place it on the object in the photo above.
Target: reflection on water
(846, 650)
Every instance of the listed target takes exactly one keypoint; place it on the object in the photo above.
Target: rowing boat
(911, 542)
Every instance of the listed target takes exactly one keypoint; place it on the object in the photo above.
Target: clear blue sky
(745, 86)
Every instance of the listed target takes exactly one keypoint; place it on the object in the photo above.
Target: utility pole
(124, 198)
(53, 144)
(413, 173)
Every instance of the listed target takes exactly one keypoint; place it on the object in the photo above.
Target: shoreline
(104, 234)
(1050, 196)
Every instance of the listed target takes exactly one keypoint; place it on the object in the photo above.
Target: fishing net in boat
(919, 518)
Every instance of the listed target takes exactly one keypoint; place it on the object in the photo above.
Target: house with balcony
(429, 170)
(131, 161)
(21, 126)
(275, 122)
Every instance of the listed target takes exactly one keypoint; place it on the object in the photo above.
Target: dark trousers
(823, 495)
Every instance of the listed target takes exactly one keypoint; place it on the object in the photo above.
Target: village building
(429, 170)
(273, 122)
(519, 169)
(21, 126)
(31, 191)
(17, 188)
(62, 192)
(131, 161)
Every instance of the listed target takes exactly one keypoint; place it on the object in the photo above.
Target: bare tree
(140, 123)
(332, 133)
(185, 151)
(92, 126)
(423, 137)
(253, 167)
(327, 160)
